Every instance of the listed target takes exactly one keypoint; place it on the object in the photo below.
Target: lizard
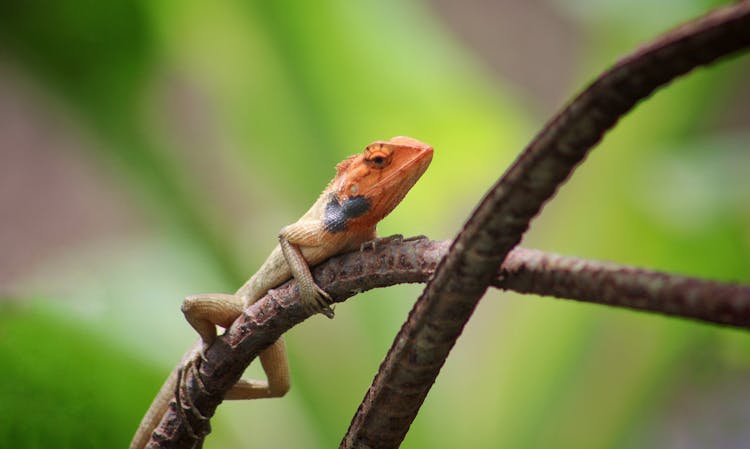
(366, 188)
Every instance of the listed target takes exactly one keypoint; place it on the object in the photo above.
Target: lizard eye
(377, 158)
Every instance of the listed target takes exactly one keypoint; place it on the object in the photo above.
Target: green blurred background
(150, 150)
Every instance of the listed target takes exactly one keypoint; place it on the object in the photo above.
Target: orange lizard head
(369, 185)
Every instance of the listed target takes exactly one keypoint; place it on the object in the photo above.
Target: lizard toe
(322, 296)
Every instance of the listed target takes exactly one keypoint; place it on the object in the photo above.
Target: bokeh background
(150, 150)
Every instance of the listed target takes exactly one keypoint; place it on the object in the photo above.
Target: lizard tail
(155, 412)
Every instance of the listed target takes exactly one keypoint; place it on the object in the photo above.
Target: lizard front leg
(310, 234)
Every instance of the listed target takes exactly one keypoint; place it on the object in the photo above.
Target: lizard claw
(324, 300)
(374, 243)
(328, 312)
(396, 238)
(318, 301)
(415, 238)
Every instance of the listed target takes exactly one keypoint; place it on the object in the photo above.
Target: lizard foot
(378, 241)
(317, 301)
(414, 238)
(184, 404)
(396, 238)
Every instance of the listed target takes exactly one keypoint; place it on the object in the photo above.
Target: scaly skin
(367, 187)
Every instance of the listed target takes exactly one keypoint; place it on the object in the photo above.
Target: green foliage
(65, 387)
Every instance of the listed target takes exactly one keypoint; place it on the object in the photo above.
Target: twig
(502, 217)
(415, 261)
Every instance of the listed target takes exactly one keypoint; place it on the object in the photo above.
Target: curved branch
(526, 271)
(497, 225)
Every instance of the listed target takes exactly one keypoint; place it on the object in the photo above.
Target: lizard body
(366, 188)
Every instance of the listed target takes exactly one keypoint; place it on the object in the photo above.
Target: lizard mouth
(387, 192)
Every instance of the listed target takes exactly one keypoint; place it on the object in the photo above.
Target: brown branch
(502, 217)
(540, 273)
(526, 271)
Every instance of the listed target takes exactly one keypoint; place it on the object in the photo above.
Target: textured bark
(531, 271)
(525, 271)
(497, 225)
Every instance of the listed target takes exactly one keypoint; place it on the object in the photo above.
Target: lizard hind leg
(276, 367)
(206, 311)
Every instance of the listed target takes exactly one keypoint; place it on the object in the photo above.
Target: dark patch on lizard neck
(338, 214)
